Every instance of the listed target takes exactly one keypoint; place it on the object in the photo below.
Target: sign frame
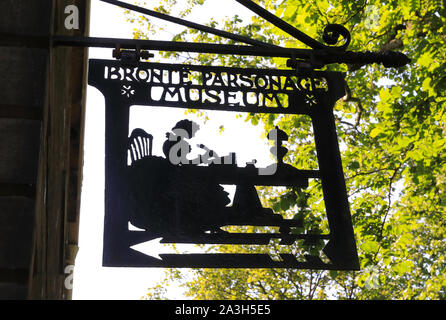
(314, 94)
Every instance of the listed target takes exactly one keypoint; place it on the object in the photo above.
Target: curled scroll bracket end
(331, 35)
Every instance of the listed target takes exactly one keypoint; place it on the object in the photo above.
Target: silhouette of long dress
(168, 198)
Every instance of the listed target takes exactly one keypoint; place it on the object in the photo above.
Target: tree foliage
(391, 127)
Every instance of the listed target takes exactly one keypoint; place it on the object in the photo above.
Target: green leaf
(277, 207)
(375, 132)
(354, 165)
(403, 267)
(370, 246)
(427, 86)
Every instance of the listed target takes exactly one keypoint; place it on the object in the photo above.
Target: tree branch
(368, 172)
(359, 109)
(389, 200)
(358, 11)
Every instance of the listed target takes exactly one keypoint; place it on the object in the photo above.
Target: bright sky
(91, 280)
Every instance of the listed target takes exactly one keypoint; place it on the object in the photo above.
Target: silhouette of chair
(139, 145)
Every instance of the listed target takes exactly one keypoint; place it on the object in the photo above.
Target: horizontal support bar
(160, 45)
(318, 58)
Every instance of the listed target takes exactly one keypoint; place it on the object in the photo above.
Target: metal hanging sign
(174, 199)
(179, 200)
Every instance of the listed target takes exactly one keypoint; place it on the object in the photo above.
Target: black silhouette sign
(174, 198)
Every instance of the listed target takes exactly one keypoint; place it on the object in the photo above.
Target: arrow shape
(156, 247)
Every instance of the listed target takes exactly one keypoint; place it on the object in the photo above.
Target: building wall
(42, 101)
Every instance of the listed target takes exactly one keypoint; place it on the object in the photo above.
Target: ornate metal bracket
(319, 55)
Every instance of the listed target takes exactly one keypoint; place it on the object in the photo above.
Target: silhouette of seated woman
(179, 201)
